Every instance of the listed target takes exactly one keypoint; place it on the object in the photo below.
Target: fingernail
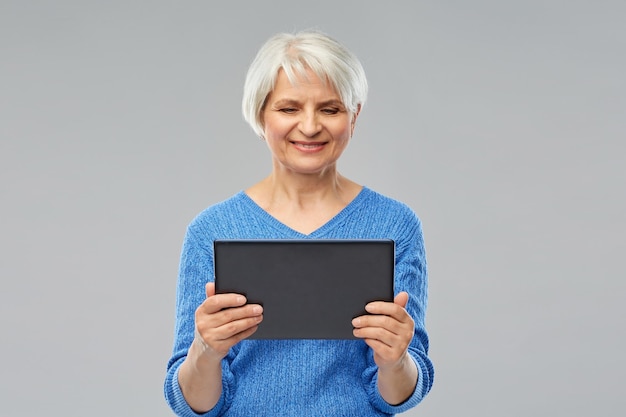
(356, 322)
(257, 309)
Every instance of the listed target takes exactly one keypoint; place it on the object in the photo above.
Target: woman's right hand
(223, 320)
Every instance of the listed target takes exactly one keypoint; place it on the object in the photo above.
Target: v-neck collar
(290, 233)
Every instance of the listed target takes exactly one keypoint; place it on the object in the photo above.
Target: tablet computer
(309, 289)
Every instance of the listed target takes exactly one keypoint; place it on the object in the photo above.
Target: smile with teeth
(309, 145)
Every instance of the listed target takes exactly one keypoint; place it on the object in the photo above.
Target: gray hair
(295, 53)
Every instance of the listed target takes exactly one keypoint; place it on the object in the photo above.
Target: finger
(402, 299)
(380, 348)
(387, 346)
(231, 328)
(210, 289)
(231, 299)
(385, 328)
(388, 309)
(383, 336)
(227, 323)
(211, 318)
(379, 326)
(220, 302)
(234, 315)
(215, 341)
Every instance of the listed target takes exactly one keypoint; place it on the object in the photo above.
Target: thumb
(401, 299)
(210, 289)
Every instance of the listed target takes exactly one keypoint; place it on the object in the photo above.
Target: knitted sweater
(301, 377)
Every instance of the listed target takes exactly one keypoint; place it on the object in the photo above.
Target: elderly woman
(302, 96)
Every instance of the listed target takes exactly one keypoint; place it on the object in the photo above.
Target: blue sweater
(301, 377)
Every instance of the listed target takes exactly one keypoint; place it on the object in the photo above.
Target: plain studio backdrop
(502, 123)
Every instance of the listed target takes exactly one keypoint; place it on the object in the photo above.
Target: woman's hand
(388, 330)
(223, 320)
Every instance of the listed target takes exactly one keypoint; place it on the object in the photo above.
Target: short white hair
(295, 54)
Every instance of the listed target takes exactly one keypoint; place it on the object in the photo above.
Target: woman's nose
(309, 124)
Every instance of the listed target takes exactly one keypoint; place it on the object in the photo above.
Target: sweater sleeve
(196, 269)
(410, 276)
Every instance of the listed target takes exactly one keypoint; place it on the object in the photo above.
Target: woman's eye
(330, 111)
(288, 110)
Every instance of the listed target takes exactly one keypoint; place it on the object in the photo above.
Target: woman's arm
(221, 321)
(388, 330)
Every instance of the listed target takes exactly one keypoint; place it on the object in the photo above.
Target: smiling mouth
(309, 145)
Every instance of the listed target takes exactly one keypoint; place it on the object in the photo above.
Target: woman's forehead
(302, 83)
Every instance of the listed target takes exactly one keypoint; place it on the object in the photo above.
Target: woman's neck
(304, 202)
(302, 190)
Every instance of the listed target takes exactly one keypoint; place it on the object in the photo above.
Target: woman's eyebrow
(286, 102)
(332, 102)
(294, 102)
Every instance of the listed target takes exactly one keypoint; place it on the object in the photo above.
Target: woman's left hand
(387, 329)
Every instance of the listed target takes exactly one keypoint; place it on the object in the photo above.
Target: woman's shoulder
(390, 217)
(375, 200)
(221, 211)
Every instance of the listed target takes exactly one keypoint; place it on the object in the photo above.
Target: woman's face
(306, 125)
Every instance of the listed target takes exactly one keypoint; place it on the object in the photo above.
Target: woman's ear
(354, 117)
(262, 122)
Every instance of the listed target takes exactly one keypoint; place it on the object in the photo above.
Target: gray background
(501, 123)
